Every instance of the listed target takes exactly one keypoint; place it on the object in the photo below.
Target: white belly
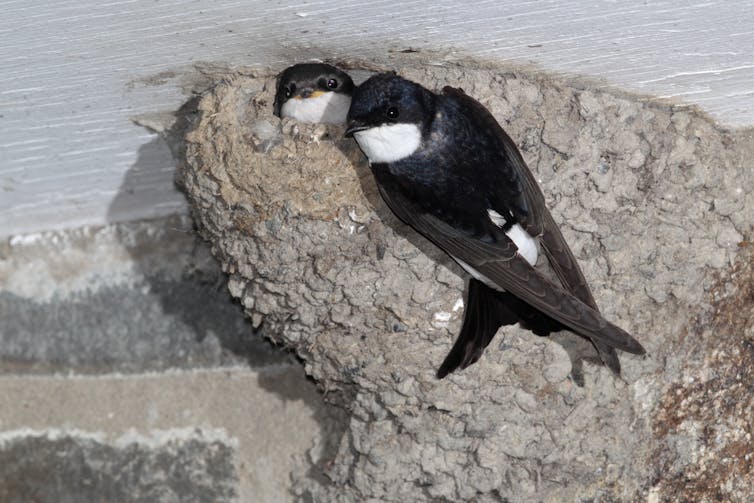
(478, 275)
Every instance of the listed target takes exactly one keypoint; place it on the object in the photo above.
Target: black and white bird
(445, 167)
(313, 92)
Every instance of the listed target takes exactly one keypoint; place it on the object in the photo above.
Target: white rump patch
(497, 218)
(527, 248)
(389, 142)
(327, 108)
(527, 245)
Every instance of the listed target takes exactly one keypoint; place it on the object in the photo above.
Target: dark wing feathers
(515, 275)
(539, 221)
(510, 187)
(564, 264)
(518, 179)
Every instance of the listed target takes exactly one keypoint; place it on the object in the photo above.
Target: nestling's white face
(389, 142)
(327, 107)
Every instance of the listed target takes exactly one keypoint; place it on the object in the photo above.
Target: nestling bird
(445, 167)
(313, 92)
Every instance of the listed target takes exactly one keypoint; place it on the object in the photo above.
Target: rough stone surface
(705, 419)
(654, 200)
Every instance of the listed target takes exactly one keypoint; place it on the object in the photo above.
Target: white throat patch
(328, 108)
(389, 142)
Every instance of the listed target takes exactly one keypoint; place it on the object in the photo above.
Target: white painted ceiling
(73, 73)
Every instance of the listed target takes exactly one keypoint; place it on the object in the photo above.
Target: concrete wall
(127, 373)
(72, 74)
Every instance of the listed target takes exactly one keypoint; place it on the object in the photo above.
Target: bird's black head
(385, 99)
(305, 80)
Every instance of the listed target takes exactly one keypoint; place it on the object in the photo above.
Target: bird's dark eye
(332, 84)
(392, 113)
(289, 90)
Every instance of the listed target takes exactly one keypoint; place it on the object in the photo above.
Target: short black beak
(354, 127)
(306, 92)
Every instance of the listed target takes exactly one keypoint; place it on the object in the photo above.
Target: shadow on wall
(191, 318)
(188, 316)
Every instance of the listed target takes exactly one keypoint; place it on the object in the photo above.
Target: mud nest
(656, 201)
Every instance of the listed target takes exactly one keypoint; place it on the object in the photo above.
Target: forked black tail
(486, 311)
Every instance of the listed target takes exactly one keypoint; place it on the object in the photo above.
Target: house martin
(313, 92)
(446, 168)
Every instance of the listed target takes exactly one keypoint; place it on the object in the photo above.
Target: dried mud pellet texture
(654, 199)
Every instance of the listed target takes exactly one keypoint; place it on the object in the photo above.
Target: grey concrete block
(65, 468)
(128, 297)
(271, 424)
(139, 314)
